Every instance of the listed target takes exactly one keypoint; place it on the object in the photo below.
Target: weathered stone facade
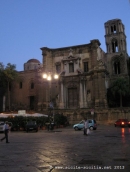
(85, 72)
(82, 71)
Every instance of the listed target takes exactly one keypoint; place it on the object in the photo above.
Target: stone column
(62, 96)
(81, 95)
(96, 89)
(85, 95)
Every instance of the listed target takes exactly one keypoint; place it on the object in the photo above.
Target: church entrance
(72, 98)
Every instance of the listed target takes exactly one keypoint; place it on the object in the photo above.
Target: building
(85, 74)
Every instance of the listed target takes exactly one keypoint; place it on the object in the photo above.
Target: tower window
(114, 46)
(113, 29)
(71, 67)
(85, 66)
(117, 67)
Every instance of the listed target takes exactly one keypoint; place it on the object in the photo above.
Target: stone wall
(102, 116)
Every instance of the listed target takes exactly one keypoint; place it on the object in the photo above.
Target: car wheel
(76, 128)
(91, 128)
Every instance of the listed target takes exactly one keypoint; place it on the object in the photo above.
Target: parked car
(1, 125)
(80, 125)
(31, 125)
(122, 123)
(15, 127)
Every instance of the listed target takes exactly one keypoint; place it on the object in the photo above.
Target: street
(61, 150)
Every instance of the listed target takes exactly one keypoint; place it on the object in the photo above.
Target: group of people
(6, 131)
(86, 127)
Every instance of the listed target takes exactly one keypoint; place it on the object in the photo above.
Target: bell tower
(116, 47)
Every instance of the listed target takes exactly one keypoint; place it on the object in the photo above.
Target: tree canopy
(120, 86)
(7, 75)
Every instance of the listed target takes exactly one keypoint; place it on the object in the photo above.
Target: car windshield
(81, 122)
(2, 123)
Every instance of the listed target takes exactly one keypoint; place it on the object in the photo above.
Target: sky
(28, 25)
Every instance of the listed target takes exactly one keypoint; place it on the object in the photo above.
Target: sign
(21, 112)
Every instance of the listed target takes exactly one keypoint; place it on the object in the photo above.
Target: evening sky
(28, 25)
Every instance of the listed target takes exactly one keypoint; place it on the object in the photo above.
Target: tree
(2, 78)
(120, 86)
(7, 75)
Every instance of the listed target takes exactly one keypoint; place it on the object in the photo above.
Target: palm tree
(121, 87)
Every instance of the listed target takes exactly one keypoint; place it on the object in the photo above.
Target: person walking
(86, 126)
(6, 131)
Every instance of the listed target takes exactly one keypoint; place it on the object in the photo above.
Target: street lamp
(49, 76)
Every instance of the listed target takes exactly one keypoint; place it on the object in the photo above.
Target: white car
(2, 125)
(92, 125)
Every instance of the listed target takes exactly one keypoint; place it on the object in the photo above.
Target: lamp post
(49, 76)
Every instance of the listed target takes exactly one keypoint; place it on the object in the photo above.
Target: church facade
(85, 73)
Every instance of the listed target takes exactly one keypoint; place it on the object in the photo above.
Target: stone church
(85, 72)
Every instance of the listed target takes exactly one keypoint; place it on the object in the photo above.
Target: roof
(33, 61)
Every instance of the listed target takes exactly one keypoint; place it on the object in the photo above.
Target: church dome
(32, 64)
(33, 61)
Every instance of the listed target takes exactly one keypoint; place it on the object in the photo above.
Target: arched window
(32, 85)
(114, 46)
(113, 29)
(117, 68)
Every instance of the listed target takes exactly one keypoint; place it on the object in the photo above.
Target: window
(58, 68)
(113, 29)
(117, 67)
(71, 67)
(32, 85)
(20, 85)
(114, 46)
(85, 66)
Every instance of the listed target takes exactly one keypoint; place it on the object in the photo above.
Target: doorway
(72, 98)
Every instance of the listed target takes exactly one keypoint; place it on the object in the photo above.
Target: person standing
(86, 127)
(6, 131)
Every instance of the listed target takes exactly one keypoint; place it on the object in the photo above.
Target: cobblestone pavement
(107, 148)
